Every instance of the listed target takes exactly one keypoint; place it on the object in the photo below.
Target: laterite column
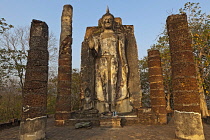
(63, 103)
(184, 83)
(157, 95)
(33, 123)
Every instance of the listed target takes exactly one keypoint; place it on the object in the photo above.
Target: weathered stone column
(63, 103)
(157, 95)
(33, 123)
(184, 82)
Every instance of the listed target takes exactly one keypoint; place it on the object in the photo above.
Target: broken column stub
(188, 125)
(184, 83)
(157, 95)
(33, 122)
(63, 102)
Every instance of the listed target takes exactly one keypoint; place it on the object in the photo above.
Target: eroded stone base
(33, 129)
(188, 125)
(110, 122)
(146, 116)
(72, 122)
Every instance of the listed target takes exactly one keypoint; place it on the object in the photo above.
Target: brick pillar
(157, 95)
(63, 103)
(187, 118)
(33, 123)
(184, 82)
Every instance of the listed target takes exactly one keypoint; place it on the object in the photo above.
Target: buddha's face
(87, 93)
(108, 22)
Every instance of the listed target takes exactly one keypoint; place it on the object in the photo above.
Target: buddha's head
(107, 20)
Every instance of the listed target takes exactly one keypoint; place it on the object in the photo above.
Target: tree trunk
(203, 106)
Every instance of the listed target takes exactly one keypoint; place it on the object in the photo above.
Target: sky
(147, 16)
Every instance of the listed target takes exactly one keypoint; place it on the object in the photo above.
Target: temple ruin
(110, 79)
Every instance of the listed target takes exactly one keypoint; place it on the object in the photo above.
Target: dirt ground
(135, 132)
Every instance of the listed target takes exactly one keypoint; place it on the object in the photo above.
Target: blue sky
(147, 16)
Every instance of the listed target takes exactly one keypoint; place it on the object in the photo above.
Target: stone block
(64, 91)
(31, 85)
(64, 62)
(162, 119)
(184, 69)
(160, 109)
(155, 71)
(64, 69)
(186, 97)
(38, 100)
(110, 122)
(158, 85)
(154, 78)
(182, 56)
(62, 115)
(156, 93)
(184, 83)
(37, 42)
(63, 103)
(157, 101)
(33, 129)
(38, 55)
(188, 125)
(64, 85)
(153, 63)
(64, 76)
(188, 108)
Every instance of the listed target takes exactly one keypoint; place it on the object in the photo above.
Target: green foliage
(10, 101)
(75, 89)
(51, 95)
(4, 26)
(13, 54)
(144, 82)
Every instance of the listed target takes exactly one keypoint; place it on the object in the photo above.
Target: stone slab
(188, 125)
(110, 122)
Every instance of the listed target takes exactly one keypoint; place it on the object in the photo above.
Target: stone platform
(135, 132)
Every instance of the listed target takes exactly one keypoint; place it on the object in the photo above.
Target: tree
(75, 89)
(144, 82)
(4, 26)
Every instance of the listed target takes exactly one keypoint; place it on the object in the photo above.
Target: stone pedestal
(33, 129)
(188, 125)
(112, 122)
(147, 116)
